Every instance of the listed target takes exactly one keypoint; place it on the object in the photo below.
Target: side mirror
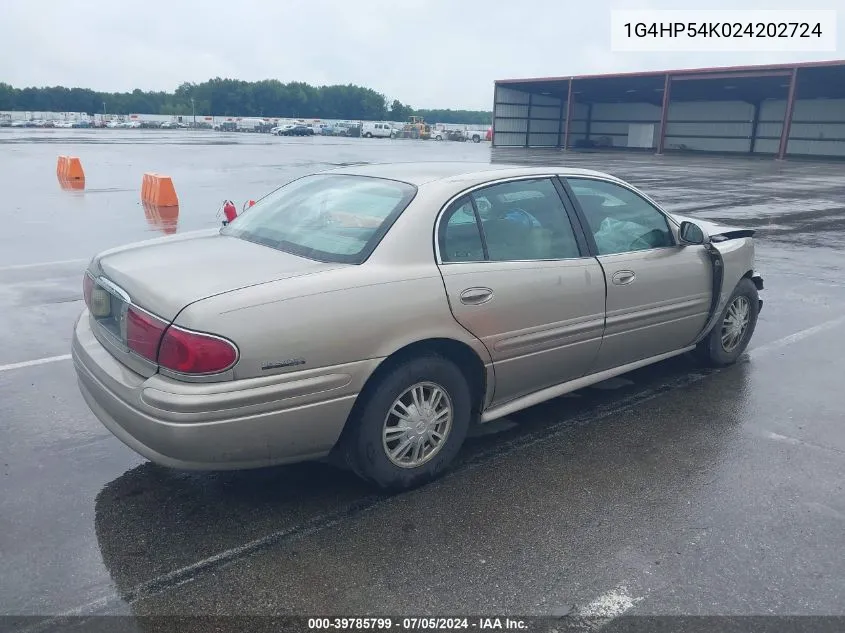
(691, 233)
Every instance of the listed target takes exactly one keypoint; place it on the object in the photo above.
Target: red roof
(684, 71)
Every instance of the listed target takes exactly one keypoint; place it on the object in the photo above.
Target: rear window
(329, 218)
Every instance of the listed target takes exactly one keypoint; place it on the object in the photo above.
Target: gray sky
(428, 53)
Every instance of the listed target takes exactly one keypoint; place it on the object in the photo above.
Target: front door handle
(476, 296)
(623, 277)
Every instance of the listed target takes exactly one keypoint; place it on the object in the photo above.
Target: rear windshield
(329, 218)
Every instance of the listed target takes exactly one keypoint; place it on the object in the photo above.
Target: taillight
(87, 288)
(96, 298)
(172, 347)
(143, 333)
(195, 353)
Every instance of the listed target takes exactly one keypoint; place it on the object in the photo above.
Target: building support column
(754, 123)
(664, 113)
(493, 120)
(560, 123)
(528, 122)
(589, 120)
(569, 101)
(787, 117)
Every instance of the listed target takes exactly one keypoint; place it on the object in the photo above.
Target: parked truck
(249, 125)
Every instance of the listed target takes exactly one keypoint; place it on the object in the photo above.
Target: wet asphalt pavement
(672, 490)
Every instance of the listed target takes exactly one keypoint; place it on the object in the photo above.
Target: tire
(714, 350)
(368, 135)
(438, 138)
(365, 448)
(476, 138)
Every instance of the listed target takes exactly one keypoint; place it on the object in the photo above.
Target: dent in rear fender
(344, 322)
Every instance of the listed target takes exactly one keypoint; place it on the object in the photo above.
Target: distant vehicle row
(317, 129)
(83, 123)
(414, 129)
(42, 123)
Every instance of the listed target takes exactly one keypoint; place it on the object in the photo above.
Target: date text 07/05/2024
(417, 624)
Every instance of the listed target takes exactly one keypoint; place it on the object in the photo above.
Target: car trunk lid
(164, 277)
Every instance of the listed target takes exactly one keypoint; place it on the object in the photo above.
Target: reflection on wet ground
(696, 491)
(162, 218)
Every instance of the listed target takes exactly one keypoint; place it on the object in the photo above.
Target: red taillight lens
(143, 333)
(87, 288)
(195, 353)
(176, 349)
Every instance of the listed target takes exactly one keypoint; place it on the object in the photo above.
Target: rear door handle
(623, 277)
(476, 296)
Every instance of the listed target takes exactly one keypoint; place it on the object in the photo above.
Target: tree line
(231, 97)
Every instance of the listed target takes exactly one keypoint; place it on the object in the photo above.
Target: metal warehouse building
(778, 110)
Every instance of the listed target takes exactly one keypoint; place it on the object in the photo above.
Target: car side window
(620, 220)
(460, 237)
(525, 220)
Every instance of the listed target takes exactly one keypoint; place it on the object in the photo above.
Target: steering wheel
(530, 221)
(483, 205)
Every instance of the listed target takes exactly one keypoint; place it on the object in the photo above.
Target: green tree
(399, 112)
(232, 97)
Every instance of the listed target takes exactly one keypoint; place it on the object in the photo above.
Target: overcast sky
(427, 53)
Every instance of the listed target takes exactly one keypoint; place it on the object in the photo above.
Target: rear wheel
(732, 333)
(476, 139)
(411, 425)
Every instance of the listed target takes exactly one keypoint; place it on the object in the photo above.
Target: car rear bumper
(217, 426)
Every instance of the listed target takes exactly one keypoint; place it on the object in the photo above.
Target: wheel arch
(466, 359)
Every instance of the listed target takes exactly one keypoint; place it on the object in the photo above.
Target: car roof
(421, 173)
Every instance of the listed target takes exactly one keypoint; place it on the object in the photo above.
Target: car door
(519, 277)
(658, 290)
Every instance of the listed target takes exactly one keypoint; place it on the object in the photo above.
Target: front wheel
(411, 425)
(732, 333)
(476, 139)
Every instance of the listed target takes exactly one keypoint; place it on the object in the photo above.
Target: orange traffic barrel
(72, 185)
(69, 170)
(158, 190)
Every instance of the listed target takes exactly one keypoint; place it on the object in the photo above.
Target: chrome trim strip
(114, 289)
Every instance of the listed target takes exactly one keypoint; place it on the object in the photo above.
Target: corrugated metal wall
(521, 120)
(770, 126)
(715, 126)
(545, 121)
(510, 117)
(578, 127)
(818, 127)
(609, 122)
